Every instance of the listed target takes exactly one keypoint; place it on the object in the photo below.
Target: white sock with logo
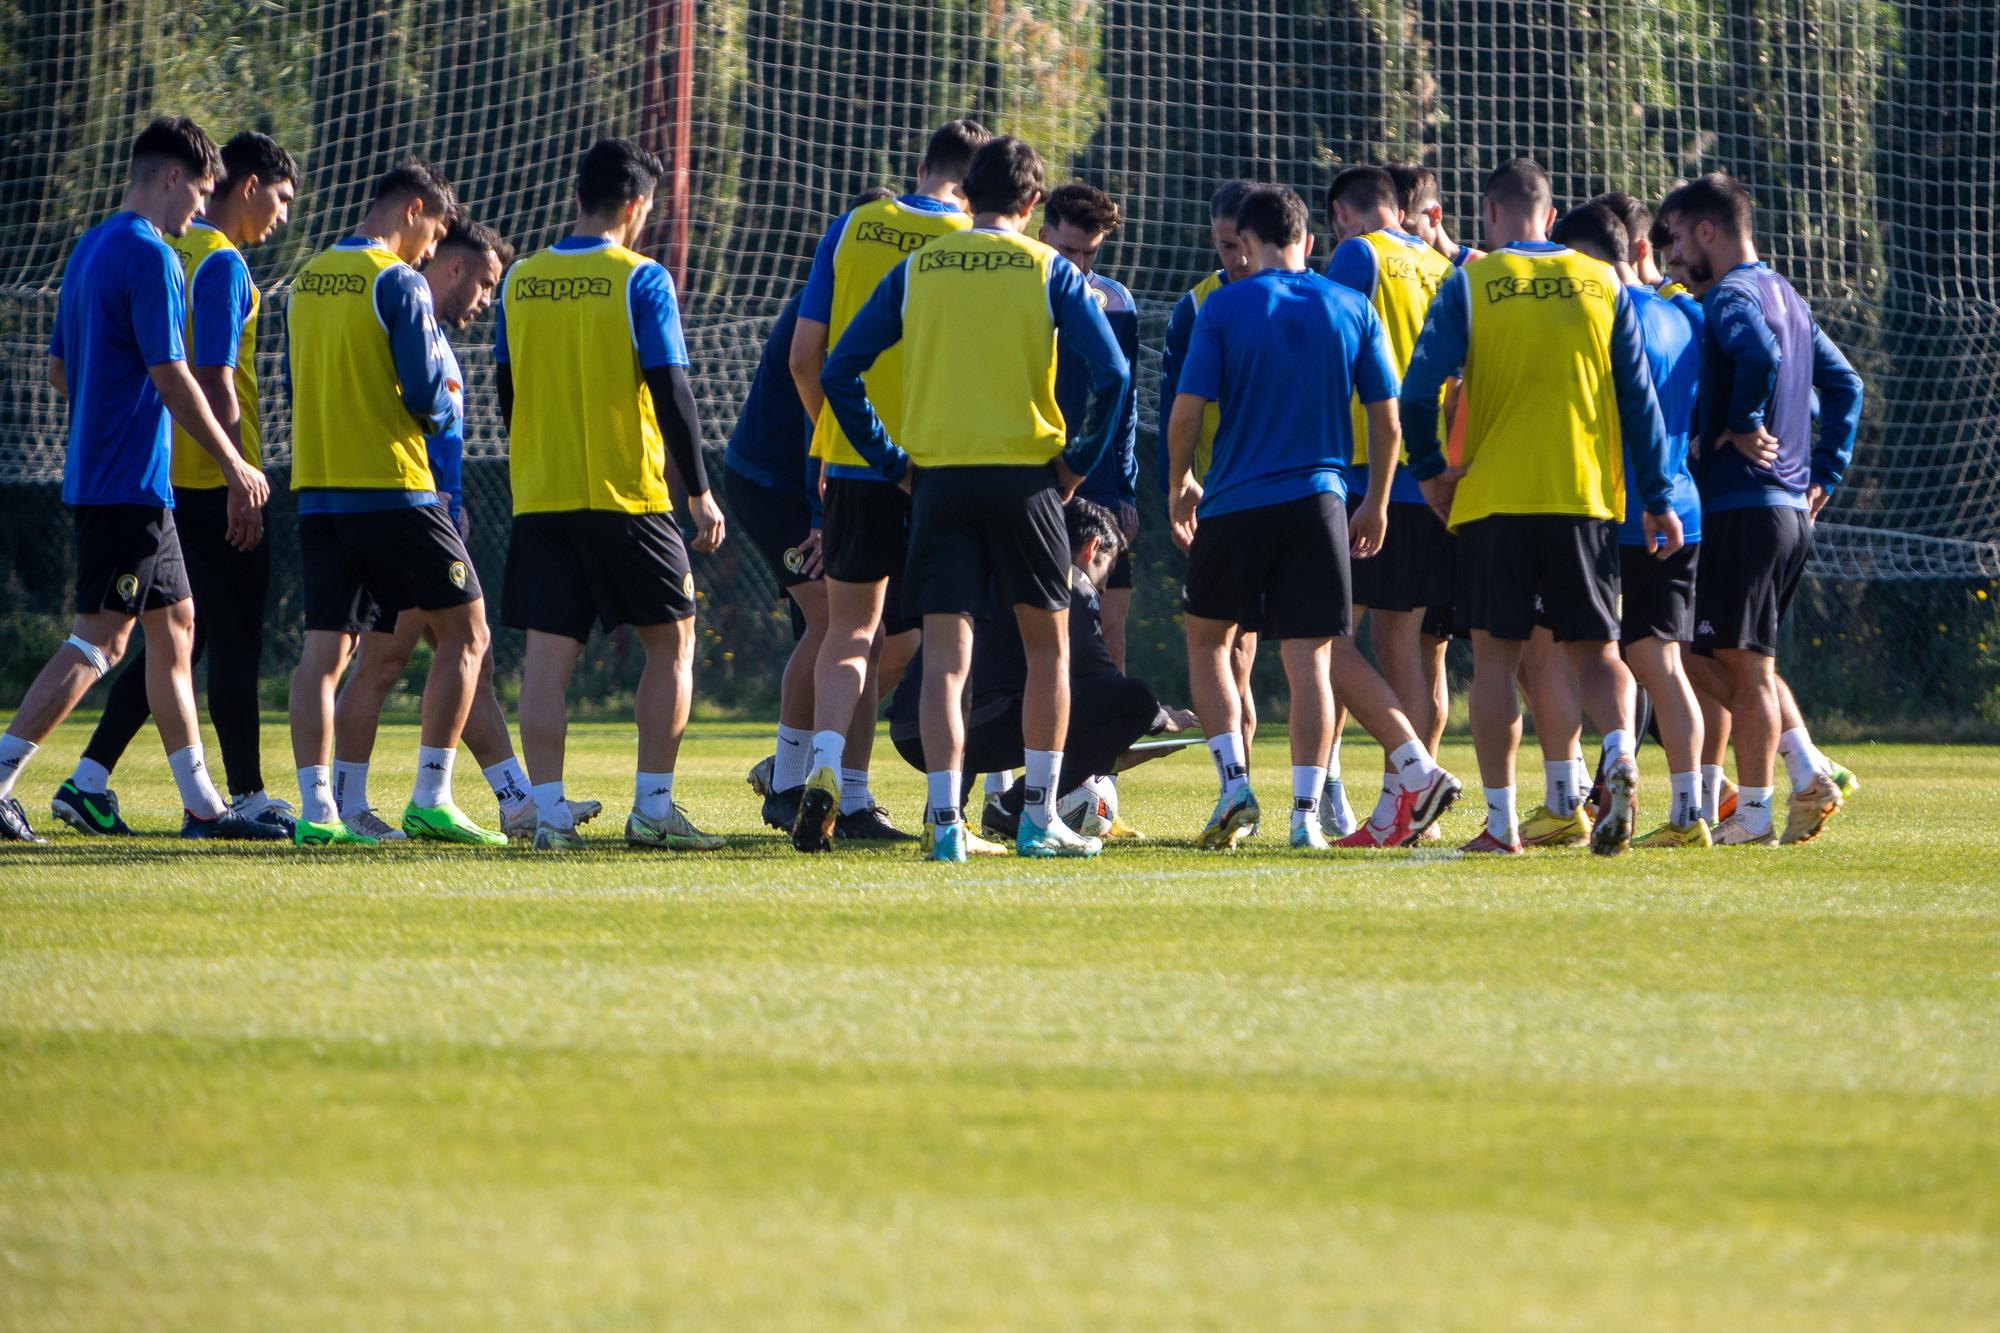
(1412, 765)
(653, 795)
(1040, 769)
(854, 794)
(1753, 807)
(1501, 820)
(941, 798)
(1385, 804)
(14, 756)
(198, 793)
(550, 806)
(1711, 792)
(1796, 748)
(829, 748)
(433, 785)
(509, 782)
(91, 776)
(316, 796)
(350, 788)
(1227, 751)
(794, 753)
(1687, 798)
(1306, 783)
(1618, 743)
(1559, 792)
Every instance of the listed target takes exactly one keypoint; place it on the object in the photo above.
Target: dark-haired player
(1284, 353)
(864, 529)
(368, 388)
(1423, 212)
(1537, 503)
(978, 315)
(1763, 478)
(1399, 275)
(228, 582)
(118, 355)
(594, 387)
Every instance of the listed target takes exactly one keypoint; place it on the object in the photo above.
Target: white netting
(1868, 132)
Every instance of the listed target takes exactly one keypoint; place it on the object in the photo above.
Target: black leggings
(1106, 715)
(229, 593)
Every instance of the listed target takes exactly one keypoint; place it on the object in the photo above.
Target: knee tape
(91, 654)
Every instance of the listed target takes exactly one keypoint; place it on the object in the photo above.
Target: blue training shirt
(121, 311)
(446, 448)
(1673, 352)
(1115, 479)
(1763, 356)
(1283, 355)
(219, 304)
(772, 442)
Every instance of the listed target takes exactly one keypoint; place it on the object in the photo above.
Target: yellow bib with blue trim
(979, 353)
(1211, 414)
(1542, 432)
(350, 428)
(876, 237)
(1407, 278)
(193, 469)
(585, 434)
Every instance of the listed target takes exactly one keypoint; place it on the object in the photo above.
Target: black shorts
(774, 521)
(566, 570)
(1121, 571)
(864, 530)
(228, 585)
(1744, 585)
(1561, 570)
(1441, 621)
(128, 559)
(1413, 568)
(387, 616)
(1656, 597)
(986, 536)
(357, 567)
(1279, 569)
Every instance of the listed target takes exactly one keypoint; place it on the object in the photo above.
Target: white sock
(509, 782)
(91, 776)
(1617, 743)
(433, 784)
(1038, 784)
(198, 794)
(1559, 791)
(14, 756)
(854, 794)
(794, 753)
(350, 788)
(1753, 807)
(1796, 748)
(1227, 750)
(1501, 820)
(1412, 765)
(829, 748)
(1385, 804)
(316, 796)
(999, 784)
(1580, 778)
(1306, 782)
(550, 807)
(1687, 798)
(940, 798)
(1711, 792)
(653, 795)
(1333, 760)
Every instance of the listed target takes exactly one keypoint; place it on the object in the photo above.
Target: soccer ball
(1090, 809)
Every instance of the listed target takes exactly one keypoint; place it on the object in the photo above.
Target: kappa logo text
(560, 289)
(881, 233)
(972, 261)
(1499, 289)
(330, 284)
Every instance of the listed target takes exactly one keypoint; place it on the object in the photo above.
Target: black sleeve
(506, 392)
(1089, 659)
(673, 401)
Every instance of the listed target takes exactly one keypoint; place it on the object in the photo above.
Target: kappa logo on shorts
(794, 562)
(1539, 608)
(1704, 628)
(128, 587)
(456, 574)
(687, 584)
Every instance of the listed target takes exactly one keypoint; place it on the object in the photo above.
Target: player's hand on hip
(1439, 490)
(1663, 534)
(708, 522)
(1759, 446)
(1367, 532)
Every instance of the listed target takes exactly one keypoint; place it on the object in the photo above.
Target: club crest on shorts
(687, 584)
(456, 574)
(794, 562)
(128, 587)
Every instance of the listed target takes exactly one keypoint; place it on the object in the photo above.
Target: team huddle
(1595, 449)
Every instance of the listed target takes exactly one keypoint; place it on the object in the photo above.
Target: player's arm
(58, 376)
(1739, 328)
(815, 322)
(1083, 330)
(1439, 355)
(1125, 439)
(1354, 265)
(663, 361)
(1200, 385)
(219, 300)
(1374, 376)
(875, 328)
(503, 367)
(403, 300)
(1644, 431)
(1173, 352)
(1840, 393)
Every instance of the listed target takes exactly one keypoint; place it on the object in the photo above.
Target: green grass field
(260, 1088)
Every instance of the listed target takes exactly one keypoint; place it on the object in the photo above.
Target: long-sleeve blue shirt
(1763, 356)
(878, 326)
(1115, 479)
(772, 442)
(1173, 357)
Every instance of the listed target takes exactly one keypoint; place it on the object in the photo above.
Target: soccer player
(1399, 275)
(1423, 212)
(1656, 601)
(118, 355)
(1284, 353)
(1537, 503)
(593, 374)
(1233, 262)
(228, 583)
(978, 315)
(368, 387)
(462, 276)
(1764, 479)
(864, 530)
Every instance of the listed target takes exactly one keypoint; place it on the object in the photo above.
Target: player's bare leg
(1551, 688)
(1309, 673)
(840, 683)
(1216, 688)
(1656, 666)
(1425, 790)
(1754, 711)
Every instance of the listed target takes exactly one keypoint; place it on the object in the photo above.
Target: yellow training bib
(350, 428)
(193, 469)
(1407, 278)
